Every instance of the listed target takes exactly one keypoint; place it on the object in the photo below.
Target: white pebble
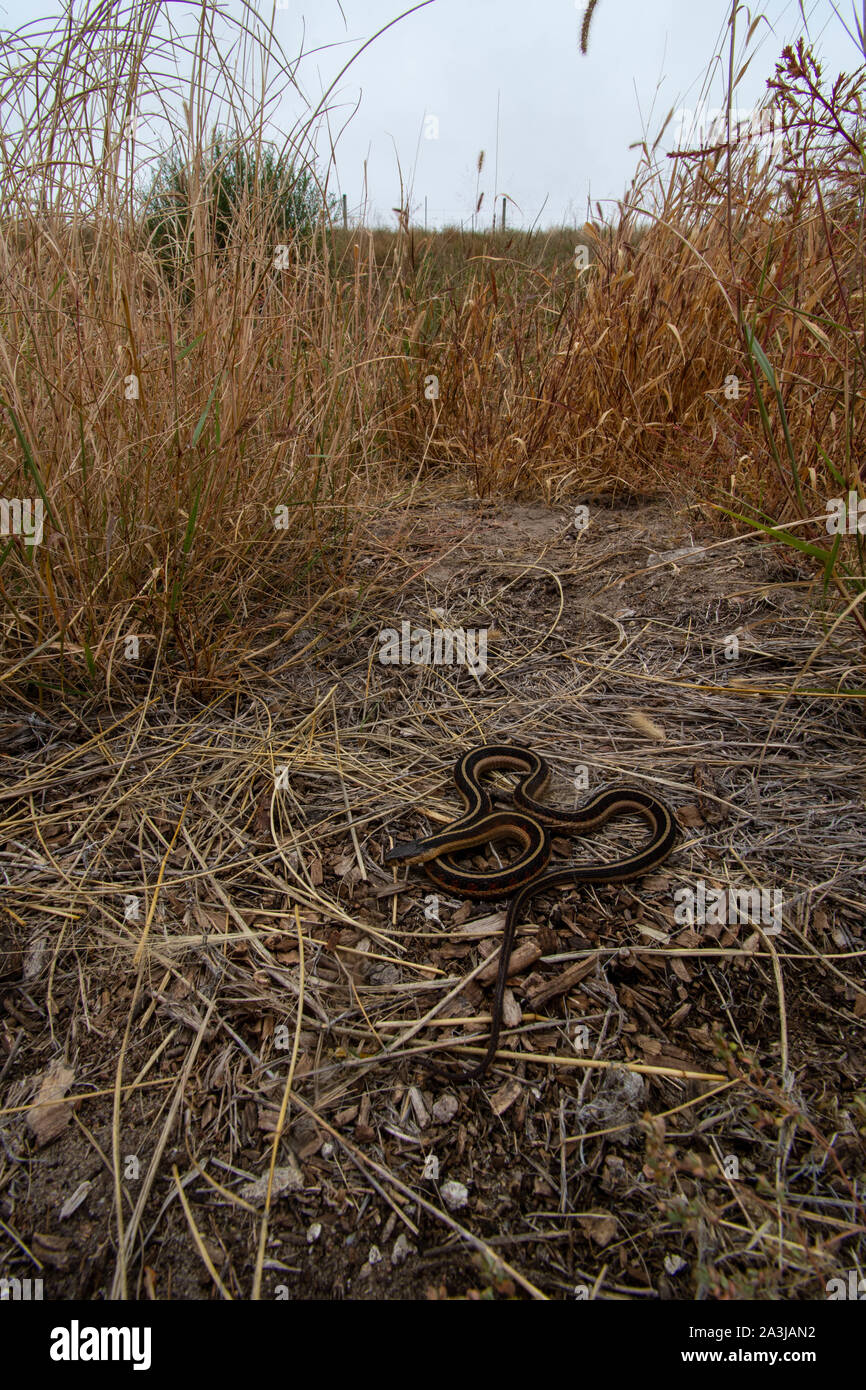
(401, 1250)
(454, 1195)
(445, 1108)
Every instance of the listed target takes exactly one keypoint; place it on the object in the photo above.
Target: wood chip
(560, 984)
(52, 1250)
(526, 954)
(681, 970)
(505, 1097)
(49, 1117)
(74, 1202)
(512, 1014)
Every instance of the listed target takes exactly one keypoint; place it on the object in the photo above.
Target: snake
(530, 823)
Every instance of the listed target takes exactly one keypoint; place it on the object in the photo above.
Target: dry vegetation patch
(196, 916)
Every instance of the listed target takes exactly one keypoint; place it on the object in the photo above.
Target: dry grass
(307, 388)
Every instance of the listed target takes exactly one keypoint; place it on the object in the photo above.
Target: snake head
(408, 850)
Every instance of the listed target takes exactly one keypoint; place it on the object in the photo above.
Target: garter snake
(530, 824)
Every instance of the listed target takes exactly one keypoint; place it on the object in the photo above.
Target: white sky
(565, 120)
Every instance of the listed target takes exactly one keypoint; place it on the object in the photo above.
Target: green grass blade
(833, 470)
(196, 435)
(29, 461)
(787, 537)
(184, 352)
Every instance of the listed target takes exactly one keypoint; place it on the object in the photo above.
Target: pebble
(454, 1194)
(402, 1249)
(446, 1108)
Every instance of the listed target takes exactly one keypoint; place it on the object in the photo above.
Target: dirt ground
(688, 1119)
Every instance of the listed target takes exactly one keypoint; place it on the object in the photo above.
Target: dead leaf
(601, 1227)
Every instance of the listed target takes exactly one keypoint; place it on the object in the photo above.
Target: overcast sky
(427, 91)
(566, 120)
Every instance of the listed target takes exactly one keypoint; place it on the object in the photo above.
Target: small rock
(402, 1249)
(384, 975)
(674, 1264)
(375, 1255)
(454, 1194)
(615, 1177)
(445, 1108)
(287, 1179)
(313, 1232)
(327, 1149)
